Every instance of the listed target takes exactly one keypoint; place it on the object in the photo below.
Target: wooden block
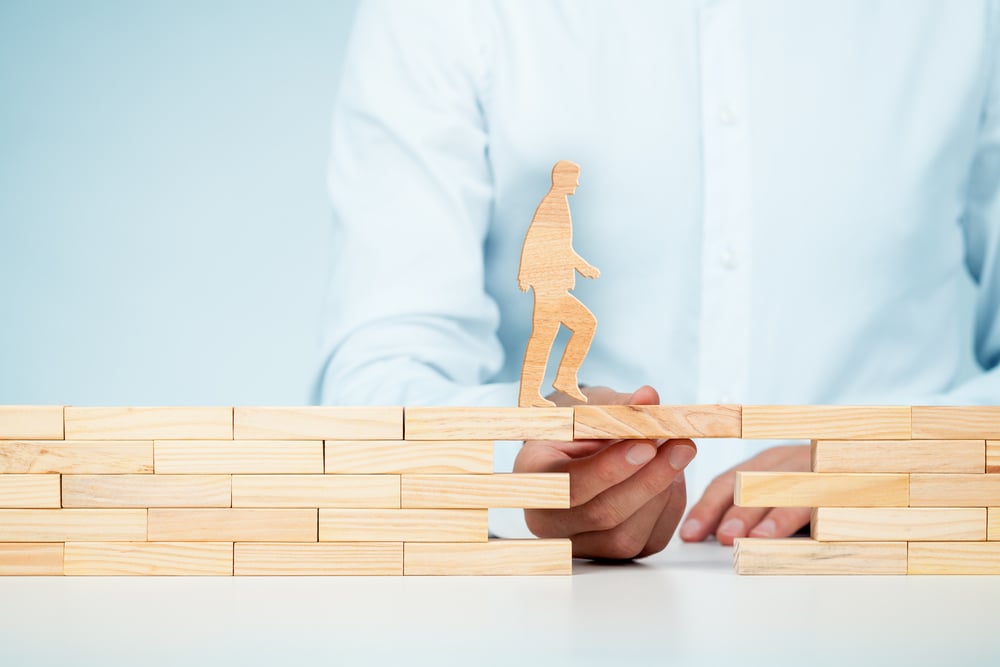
(657, 421)
(76, 457)
(800, 555)
(32, 558)
(166, 423)
(392, 456)
(823, 422)
(232, 525)
(520, 490)
(29, 491)
(993, 456)
(238, 457)
(949, 421)
(879, 524)
(320, 558)
(956, 456)
(954, 558)
(146, 491)
(31, 422)
(318, 423)
(423, 423)
(496, 557)
(954, 490)
(403, 525)
(68, 525)
(812, 489)
(149, 558)
(993, 523)
(316, 491)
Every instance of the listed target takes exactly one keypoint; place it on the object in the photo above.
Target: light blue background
(163, 218)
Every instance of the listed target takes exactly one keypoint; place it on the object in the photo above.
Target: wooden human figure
(548, 267)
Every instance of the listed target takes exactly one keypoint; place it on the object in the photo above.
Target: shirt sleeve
(408, 320)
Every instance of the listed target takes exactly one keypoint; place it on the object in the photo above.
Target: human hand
(716, 513)
(626, 496)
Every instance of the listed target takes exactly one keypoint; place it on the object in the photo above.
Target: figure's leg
(544, 327)
(582, 323)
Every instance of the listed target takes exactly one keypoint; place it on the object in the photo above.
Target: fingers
(705, 516)
(627, 539)
(782, 522)
(737, 522)
(670, 516)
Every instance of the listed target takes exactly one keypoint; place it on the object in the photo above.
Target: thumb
(644, 395)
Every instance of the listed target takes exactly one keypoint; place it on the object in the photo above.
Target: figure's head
(565, 176)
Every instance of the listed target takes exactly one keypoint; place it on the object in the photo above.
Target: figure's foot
(534, 401)
(570, 387)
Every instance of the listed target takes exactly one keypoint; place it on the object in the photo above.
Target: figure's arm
(408, 320)
(585, 268)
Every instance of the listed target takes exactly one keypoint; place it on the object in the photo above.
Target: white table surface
(685, 606)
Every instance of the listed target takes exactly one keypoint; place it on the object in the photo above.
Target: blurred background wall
(163, 218)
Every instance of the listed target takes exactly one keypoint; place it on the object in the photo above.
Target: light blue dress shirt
(789, 202)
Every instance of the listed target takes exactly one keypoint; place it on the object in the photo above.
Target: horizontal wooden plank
(232, 525)
(657, 421)
(880, 524)
(496, 557)
(955, 456)
(318, 423)
(800, 555)
(146, 491)
(825, 422)
(928, 490)
(518, 490)
(316, 491)
(149, 558)
(429, 423)
(956, 422)
(393, 456)
(954, 558)
(809, 489)
(402, 525)
(29, 491)
(32, 558)
(67, 525)
(149, 423)
(993, 456)
(320, 559)
(83, 457)
(31, 422)
(238, 457)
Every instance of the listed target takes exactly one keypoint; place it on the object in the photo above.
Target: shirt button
(727, 258)
(726, 115)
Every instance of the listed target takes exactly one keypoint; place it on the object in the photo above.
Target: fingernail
(680, 456)
(639, 454)
(733, 527)
(691, 529)
(766, 528)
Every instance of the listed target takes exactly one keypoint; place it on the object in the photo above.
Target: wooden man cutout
(548, 267)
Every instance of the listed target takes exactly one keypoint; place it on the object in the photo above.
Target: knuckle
(624, 545)
(600, 515)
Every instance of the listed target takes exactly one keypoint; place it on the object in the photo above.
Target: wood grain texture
(146, 491)
(825, 422)
(657, 421)
(402, 525)
(496, 557)
(880, 524)
(149, 558)
(391, 456)
(318, 423)
(954, 456)
(29, 491)
(928, 490)
(956, 422)
(954, 558)
(76, 456)
(149, 423)
(320, 559)
(31, 422)
(375, 491)
(31, 558)
(993, 456)
(428, 423)
(993, 524)
(808, 489)
(68, 525)
(518, 490)
(232, 525)
(238, 457)
(799, 555)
